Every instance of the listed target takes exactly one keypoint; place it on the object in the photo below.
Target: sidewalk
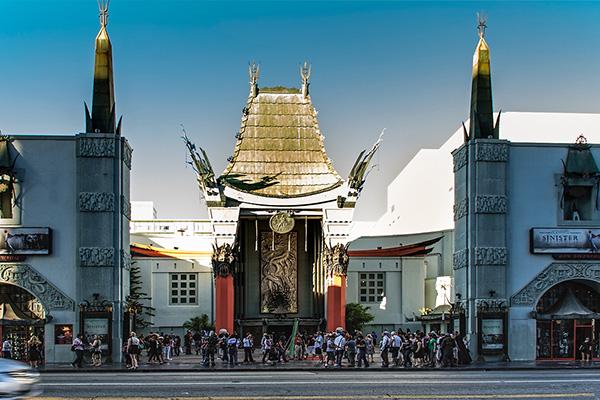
(191, 363)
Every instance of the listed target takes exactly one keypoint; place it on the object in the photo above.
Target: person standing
(447, 345)
(395, 345)
(361, 346)
(319, 346)
(133, 348)
(384, 348)
(340, 346)
(35, 351)
(248, 344)
(7, 348)
(78, 347)
(267, 345)
(351, 349)
(586, 349)
(96, 351)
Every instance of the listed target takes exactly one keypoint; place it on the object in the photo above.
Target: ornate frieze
(490, 256)
(97, 147)
(126, 153)
(336, 259)
(223, 260)
(491, 305)
(494, 152)
(490, 204)
(97, 256)
(126, 260)
(96, 202)
(126, 207)
(24, 276)
(278, 272)
(461, 209)
(551, 275)
(460, 158)
(460, 259)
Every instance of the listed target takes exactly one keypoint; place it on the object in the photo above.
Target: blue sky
(404, 66)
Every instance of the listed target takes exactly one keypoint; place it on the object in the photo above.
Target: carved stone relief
(97, 256)
(96, 201)
(460, 158)
(336, 259)
(126, 154)
(460, 259)
(223, 260)
(126, 260)
(551, 275)
(490, 204)
(96, 147)
(491, 152)
(490, 305)
(24, 276)
(278, 271)
(461, 209)
(490, 256)
(126, 207)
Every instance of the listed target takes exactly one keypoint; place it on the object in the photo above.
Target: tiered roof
(280, 152)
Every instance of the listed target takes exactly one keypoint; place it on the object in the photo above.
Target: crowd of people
(332, 350)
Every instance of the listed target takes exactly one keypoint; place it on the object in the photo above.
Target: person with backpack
(447, 345)
(267, 345)
(340, 345)
(351, 350)
(232, 348)
(211, 349)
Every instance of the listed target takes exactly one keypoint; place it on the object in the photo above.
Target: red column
(336, 303)
(224, 303)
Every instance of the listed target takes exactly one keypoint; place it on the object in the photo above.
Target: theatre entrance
(21, 317)
(567, 314)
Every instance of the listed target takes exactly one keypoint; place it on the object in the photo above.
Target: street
(331, 385)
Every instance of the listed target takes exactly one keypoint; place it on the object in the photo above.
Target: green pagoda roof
(280, 152)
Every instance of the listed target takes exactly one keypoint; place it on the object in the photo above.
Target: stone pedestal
(336, 303)
(224, 303)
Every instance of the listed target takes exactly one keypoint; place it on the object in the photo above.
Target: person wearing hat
(384, 347)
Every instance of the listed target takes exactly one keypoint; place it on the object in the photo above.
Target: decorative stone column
(336, 262)
(223, 262)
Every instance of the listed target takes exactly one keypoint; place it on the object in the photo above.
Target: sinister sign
(22, 241)
(97, 326)
(565, 241)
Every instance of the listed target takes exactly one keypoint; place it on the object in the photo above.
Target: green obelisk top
(103, 99)
(482, 118)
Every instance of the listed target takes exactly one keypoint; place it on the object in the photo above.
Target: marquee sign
(23, 241)
(565, 241)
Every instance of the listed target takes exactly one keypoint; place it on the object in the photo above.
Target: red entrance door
(560, 339)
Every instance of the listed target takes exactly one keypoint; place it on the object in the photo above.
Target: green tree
(199, 323)
(136, 298)
(357, 317)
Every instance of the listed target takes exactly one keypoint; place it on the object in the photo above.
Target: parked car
(18, 380)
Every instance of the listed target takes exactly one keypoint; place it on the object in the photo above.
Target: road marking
(385, 396)
(328, 382)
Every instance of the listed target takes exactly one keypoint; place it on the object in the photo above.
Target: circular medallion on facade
(281, 222)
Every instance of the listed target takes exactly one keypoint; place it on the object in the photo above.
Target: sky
(400, 65)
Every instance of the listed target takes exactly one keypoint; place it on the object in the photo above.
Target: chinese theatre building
(527, 238)
(64, 219)
(280, 215)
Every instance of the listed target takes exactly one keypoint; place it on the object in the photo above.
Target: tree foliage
(136, 298)
(199, 323)
(357, 316)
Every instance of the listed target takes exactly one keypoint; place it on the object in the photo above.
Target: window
(578, 203)
(183, 288)
(371, 287)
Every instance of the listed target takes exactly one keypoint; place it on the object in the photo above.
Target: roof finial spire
(253, 70)
(305, 74)
(103, 12)
(482, 26)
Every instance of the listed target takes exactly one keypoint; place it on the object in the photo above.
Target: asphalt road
(329, 385)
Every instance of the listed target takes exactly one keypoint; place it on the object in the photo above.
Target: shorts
(318, 351)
